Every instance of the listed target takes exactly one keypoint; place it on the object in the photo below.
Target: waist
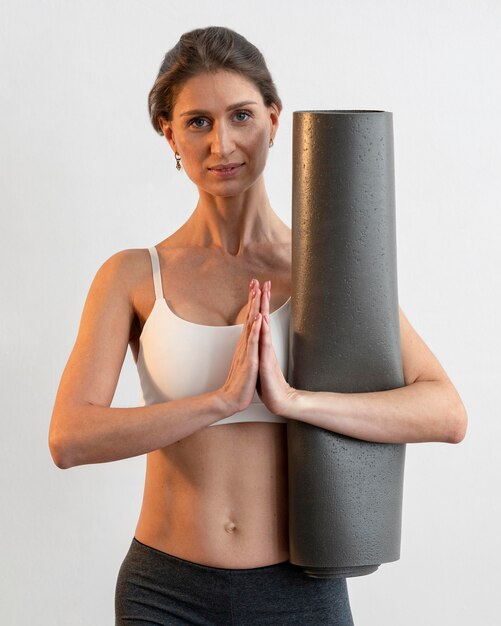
(180, 562)
(219, 497)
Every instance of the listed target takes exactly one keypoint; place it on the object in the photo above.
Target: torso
(219, 496)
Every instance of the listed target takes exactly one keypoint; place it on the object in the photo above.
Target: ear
(274, 114)
(168, 133)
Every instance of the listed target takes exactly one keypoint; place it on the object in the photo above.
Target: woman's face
(221, 128)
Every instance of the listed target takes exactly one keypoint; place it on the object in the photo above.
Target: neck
(234, 223)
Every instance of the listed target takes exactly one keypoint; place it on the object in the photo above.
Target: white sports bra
(178, 358)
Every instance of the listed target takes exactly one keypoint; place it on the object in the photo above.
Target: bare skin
(218, 496)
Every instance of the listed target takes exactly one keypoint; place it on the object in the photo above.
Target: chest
(178, 358)
(216, 293)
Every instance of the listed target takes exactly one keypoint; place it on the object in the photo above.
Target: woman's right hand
(240, 385)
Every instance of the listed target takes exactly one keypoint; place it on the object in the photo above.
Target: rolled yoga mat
(345, 494)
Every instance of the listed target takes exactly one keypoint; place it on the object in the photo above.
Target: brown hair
(207, 50)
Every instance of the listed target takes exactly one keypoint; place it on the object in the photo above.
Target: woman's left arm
(428, 408)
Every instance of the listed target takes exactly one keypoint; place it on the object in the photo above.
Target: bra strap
(157, 276)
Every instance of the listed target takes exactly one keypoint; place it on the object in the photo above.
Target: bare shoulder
(124, 268)
(130, 272)
(114, 281)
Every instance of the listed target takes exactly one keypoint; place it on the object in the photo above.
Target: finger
(252, 343)
(253, 288)
(265, 336)
(250, 304)
(254, 335)
(257, 300)
(250, 297)
(253, 313)
(265, 299)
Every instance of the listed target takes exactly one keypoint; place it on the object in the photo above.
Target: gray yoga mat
(345, 494)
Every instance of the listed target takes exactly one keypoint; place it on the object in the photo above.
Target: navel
(230, 527)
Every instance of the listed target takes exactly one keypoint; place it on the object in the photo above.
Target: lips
(226, 171)
(227, 166)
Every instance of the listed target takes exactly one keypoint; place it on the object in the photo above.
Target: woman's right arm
(84, 428)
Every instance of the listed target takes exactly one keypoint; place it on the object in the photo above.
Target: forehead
(216, 91)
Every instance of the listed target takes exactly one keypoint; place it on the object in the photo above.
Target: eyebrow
(230, 108)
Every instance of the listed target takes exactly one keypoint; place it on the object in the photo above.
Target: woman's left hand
(274, 391)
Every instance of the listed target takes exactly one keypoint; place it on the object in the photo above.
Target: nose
(222, 142)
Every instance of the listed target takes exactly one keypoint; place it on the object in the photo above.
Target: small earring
(271, 142)
(178, 161)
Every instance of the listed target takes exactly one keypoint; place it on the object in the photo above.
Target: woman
(211, 544)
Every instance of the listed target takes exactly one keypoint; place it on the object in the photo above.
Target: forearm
(98, 434)
(421, 411)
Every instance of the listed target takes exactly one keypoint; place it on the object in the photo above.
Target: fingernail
(251, 284)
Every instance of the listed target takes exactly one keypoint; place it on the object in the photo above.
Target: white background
(84, 175)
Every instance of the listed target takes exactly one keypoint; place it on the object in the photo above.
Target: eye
(195, 122)
(242, 116)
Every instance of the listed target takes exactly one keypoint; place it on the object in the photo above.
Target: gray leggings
(154, 587)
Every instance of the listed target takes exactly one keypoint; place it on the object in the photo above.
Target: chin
(227, 188)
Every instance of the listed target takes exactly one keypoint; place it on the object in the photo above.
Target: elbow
(60, 450)
(458, 423)
(64, 438)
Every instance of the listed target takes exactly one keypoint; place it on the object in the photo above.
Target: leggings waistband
(179, 561)
(156, 587)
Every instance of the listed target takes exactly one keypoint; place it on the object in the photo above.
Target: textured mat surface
(345, 495)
